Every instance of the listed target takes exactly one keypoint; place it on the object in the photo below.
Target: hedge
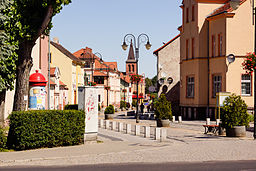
(71, 107)
(45, 128)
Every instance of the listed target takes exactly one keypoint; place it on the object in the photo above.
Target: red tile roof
(62, 84)
(52, 83)
(225, 8)
(52, 71)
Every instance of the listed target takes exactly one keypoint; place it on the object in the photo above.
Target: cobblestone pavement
(186, 142)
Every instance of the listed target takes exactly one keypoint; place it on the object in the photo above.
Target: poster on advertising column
(91, 113)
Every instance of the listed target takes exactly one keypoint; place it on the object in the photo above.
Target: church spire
(131, 56)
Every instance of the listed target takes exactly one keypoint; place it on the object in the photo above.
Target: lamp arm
(142, 38)
(128, 40)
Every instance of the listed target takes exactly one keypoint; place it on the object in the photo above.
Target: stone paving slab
(185, 142)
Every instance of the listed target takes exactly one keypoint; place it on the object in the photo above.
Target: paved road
(188, 166)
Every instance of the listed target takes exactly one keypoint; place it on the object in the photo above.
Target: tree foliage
(234, 112)
(29, 20)
(8, 47)
(163, 108)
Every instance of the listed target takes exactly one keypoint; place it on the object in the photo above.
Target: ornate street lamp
(142, 38)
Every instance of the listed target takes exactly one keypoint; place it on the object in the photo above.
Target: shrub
(163, 108)
(122, 104)
(234, 112)
(134, 103)
(109, 110)
(3, 140)
(71, 107)
(47, 128)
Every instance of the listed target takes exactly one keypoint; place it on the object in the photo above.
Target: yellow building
(70, 69)
(210, 31)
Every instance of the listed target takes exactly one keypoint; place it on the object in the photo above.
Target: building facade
(210, 31)
(70, 69)
(168, 72)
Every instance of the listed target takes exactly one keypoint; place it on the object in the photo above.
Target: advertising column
(88, 101)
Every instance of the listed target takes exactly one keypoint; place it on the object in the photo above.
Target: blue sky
(102, 25)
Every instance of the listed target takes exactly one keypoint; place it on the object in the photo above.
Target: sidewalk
(186, 143)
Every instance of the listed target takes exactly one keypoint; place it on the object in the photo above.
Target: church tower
(131, 64)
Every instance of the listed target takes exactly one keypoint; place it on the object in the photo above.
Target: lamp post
(108, 87)
(92, 60)
(142, 38)
(235, 4)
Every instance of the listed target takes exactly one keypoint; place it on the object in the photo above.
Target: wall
(65, 65)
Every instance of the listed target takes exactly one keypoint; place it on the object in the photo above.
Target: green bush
(234, 112)
(45, 128)
(109, 110)
(3, 140)
(122, 104)
(71, 107)
(163, 108)
(134, 103)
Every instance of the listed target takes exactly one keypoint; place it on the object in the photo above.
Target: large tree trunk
(24, 66)
(2, 106)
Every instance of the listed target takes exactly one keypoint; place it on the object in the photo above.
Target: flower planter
(237, 131)
(109, 116)
(163, 122)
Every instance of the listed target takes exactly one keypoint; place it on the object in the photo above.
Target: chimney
(89, 50)
(56, 40)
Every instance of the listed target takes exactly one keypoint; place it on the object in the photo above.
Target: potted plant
(163, 111)
(109, 112)
(234, 116)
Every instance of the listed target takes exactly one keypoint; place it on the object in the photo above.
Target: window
(220, 44)
(193, 47)
(132, 68)
(216, 85)
(99, 98)
(129, 68)
(190, 86)
(213, 45)
(187, 48)
(193, 13)
(87, 64)
(187, 15)
(99, 79)
(246, 85)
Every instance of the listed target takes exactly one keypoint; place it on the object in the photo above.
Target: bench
(211, 128)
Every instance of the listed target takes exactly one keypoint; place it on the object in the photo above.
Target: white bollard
(137, 130)
(128, 129)
(114, 125)
(158, 133)
(208, 121)
(120, 127)
(102, 123)
(147, 132)
(180, 119)
(107, 124)
(173, 118)
(217, 121)
(163, 134)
